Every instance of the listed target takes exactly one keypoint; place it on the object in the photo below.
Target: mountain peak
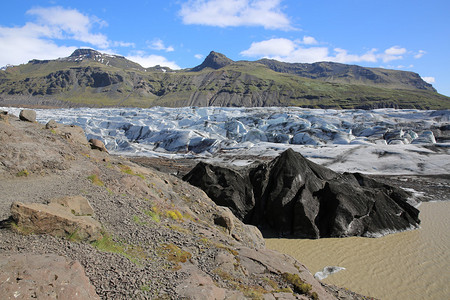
(214, 61)
(85, 53)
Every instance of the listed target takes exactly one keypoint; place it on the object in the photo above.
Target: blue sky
(408, 35)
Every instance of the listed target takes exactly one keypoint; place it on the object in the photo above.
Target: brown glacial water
(407, 265)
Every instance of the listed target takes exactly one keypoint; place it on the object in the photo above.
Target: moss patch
(95, 180)
(174, 254)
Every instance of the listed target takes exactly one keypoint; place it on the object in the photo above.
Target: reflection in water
(407, 265)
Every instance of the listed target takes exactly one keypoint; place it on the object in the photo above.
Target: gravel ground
(156, 226)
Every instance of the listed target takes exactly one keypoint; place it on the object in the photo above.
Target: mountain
(351, 74)
(90, 78)
(214, 61)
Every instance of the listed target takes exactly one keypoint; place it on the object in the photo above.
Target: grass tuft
(153, 214)
(174, 214)
(174, 254)
(23, 173)
(299, 285)
(96, 180)
(132, 252)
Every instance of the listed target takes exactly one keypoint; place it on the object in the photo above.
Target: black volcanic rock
(214, 61)
(299, 198)
(226, 186)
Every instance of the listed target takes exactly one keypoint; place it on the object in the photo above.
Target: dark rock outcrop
(295, 196)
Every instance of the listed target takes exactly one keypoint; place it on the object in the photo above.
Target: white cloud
(395, 50)
(393, 53)
(265, 13)
(429, 79)
(158, 44)
(39, 39)
(304, 51)
(272, 47)
(199, 56)
(20, 44)
(152, 60)
(342, 56)
(309, 40)
(122, 44)
(420, 54)
(70, 24)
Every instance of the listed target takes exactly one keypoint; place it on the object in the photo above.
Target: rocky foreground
(81, 224)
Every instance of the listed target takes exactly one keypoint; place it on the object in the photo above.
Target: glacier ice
(259, 131)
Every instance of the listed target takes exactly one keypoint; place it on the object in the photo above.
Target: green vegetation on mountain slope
(90, 78)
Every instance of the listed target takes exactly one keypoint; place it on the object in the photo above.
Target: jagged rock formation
(90, 78)
(297, 197)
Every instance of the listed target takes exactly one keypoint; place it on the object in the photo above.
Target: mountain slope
(90, 78)
(351, 74)
(162, 238)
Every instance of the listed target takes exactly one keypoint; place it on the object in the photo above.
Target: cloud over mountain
(264, 13)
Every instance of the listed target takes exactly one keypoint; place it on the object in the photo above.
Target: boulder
(55, 220)
(51, 124)
(78, 205)
(73, 133)
(293, 196)
(4, 117)
(199, 286)
(224, 218)
(265, 261)
(98, 145)
(27, 115)
(48, 276)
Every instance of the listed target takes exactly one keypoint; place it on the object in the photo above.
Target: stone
(73, 133)
(224, 218)
(55, 220)
(255, 236)
(293, 196)
(98, 145)
(78, 205)
(51, 124)
(27, 115)
(48, 276)
(265, 261)
(199, 286)
(4, 117)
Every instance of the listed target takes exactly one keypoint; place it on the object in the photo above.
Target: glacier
(380, 141)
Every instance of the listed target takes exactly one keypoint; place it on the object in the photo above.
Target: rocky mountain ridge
(90, 78)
